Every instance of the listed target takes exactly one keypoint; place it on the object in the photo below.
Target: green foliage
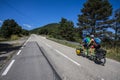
(25, 32)
(49, 29)
(66, 29)
(44, 31)
(113, 23)
(0, 32)
(63, 30)
(10, 27)
(35, 31)
(116, 27)
(117, 15)
(78, 33)
(64, 42)
(93, 11)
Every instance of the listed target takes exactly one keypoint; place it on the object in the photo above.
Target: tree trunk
(93, 27)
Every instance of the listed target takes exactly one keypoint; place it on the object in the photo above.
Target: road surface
(42, 59)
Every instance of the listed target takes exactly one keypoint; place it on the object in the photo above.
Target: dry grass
(14, 37)
(114, 53)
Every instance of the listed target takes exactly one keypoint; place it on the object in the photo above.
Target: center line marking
(68, 57)
(8, 68)
(19, 52)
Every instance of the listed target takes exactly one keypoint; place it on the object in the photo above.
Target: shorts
(86, 46)
(97, 46)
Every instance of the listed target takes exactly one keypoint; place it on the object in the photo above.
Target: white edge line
(68, 57)
(26, 41)
(19, 52)
(48, 45)
(8, 68)
(22, 47)
(24, 44)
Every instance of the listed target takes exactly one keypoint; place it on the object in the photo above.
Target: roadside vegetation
(65, 42)
(93, 19)
(113, 51)
(10, 30)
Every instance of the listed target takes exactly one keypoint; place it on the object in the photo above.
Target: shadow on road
(5, 48)
(3, 58)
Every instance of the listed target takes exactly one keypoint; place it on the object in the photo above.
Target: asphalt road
(30, 63)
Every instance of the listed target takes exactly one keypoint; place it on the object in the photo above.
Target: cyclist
(94, 43)
(86, 41)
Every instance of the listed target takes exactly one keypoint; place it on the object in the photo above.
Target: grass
(13, 37)
(2, 39)
(64, 42)
(112, 52)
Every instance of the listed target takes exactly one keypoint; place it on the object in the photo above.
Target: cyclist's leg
(85, 49)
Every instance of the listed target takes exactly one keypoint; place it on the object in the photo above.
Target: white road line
(22, 47)
(24, 44)
(102, 79)
(8, 68)
(26, 41)
(19, 52)
(48, 45)
(68, 57)
(63, 54)
(43, 37)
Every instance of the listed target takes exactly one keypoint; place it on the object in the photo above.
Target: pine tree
(117, 22)
(94, 11)
(66, 29)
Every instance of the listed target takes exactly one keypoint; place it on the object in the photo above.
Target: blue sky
(31, 14)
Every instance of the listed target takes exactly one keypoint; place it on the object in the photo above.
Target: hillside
(47, 29)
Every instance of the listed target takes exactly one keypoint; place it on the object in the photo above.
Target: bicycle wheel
(103, 61)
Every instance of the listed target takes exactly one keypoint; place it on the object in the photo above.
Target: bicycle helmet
(92, 36)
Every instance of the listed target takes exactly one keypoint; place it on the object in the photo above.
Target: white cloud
(27, 25)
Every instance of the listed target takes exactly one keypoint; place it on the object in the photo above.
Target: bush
(114, 53)
(14, 37)
(9, 28)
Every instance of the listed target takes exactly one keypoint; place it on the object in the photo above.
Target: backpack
(97, 40)
(86, 40)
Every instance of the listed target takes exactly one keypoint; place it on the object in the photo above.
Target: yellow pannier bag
(78, 51)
